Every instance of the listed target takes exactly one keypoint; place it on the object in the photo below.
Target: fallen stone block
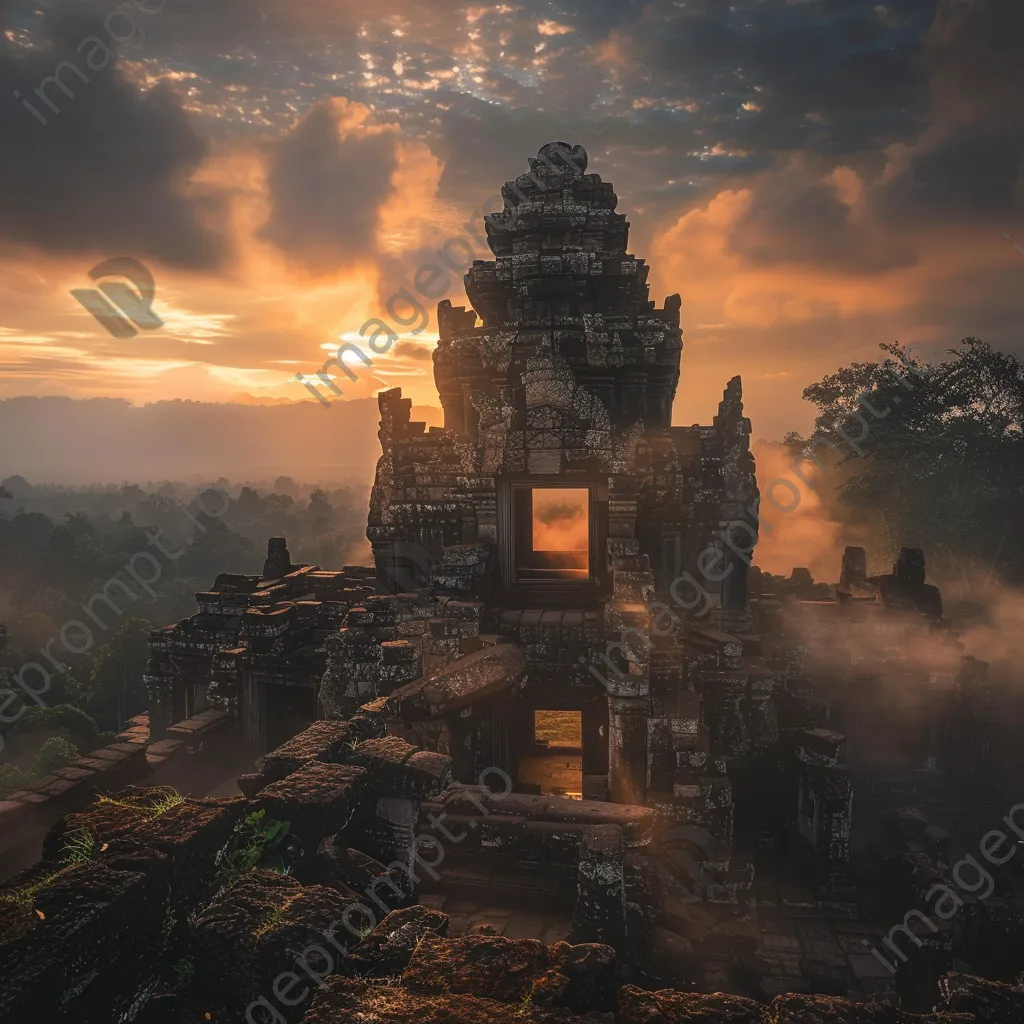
(667, 1006)
(190, 835)
(317, 800)
(266, 933)
(110, 817)
(462, 682)
(78, 943)
(508, 969)
(793, 1008)
(396, 768)
(635, 821)
(388, 949)
(182, 835)
(991, 1002)
(326, 741)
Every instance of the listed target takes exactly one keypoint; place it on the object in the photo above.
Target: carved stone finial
(563, 156)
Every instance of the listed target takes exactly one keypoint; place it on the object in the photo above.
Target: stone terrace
(131, 916)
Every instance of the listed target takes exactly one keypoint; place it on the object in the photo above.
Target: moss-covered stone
(79, 944)
(398, 769)
(992, 1002)
(317, 800)
(326, 741)
(670, 1007)
(388, 949)
(509, 969)
(252, 932)
(346, 1000)
(794, 1008)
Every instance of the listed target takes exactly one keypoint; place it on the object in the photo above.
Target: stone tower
(558, 507)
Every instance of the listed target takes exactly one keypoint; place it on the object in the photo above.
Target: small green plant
(184, 971)
(525, 1005)
(78, 846)
(256, 844)
(166, 802)
(12, 779)
(56, 752)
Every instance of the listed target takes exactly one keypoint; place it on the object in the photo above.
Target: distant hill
(109, 440)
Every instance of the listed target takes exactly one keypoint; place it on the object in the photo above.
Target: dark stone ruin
(560, 754)
(160, 915)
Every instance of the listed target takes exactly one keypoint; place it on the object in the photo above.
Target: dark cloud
(969, 175)
(482, 146)
(796, 216)
(971, 165)
(105, 174)
(325, 190)
(974, 56)
(849, 64)
(921, 98)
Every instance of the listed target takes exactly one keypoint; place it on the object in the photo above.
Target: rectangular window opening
(553, 527)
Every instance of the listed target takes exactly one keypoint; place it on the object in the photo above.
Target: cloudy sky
(814, 177)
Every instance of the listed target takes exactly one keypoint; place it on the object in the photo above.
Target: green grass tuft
(78, 847)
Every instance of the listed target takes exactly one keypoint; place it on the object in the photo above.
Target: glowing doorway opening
(554, 767)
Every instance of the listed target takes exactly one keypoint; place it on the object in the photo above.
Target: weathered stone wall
(131, 917)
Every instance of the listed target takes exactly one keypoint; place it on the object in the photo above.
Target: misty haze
(511, 513)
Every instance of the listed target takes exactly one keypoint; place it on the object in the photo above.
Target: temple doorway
(552, 763)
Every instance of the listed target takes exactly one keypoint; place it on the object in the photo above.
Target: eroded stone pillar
(627, 749)
(600, 914)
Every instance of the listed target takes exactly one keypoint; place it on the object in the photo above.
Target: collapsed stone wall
(133, 913)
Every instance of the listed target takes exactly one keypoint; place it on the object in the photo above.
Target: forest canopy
(931, 454)
(86, 574)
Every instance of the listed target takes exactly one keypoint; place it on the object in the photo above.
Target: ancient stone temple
(554, 509)
(550, 708)
(560, 579)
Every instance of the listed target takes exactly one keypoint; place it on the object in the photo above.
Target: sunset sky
(814, 177)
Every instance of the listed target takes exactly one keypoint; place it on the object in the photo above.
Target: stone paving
(469, 916)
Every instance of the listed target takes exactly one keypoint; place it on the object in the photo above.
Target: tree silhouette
(937, 454)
